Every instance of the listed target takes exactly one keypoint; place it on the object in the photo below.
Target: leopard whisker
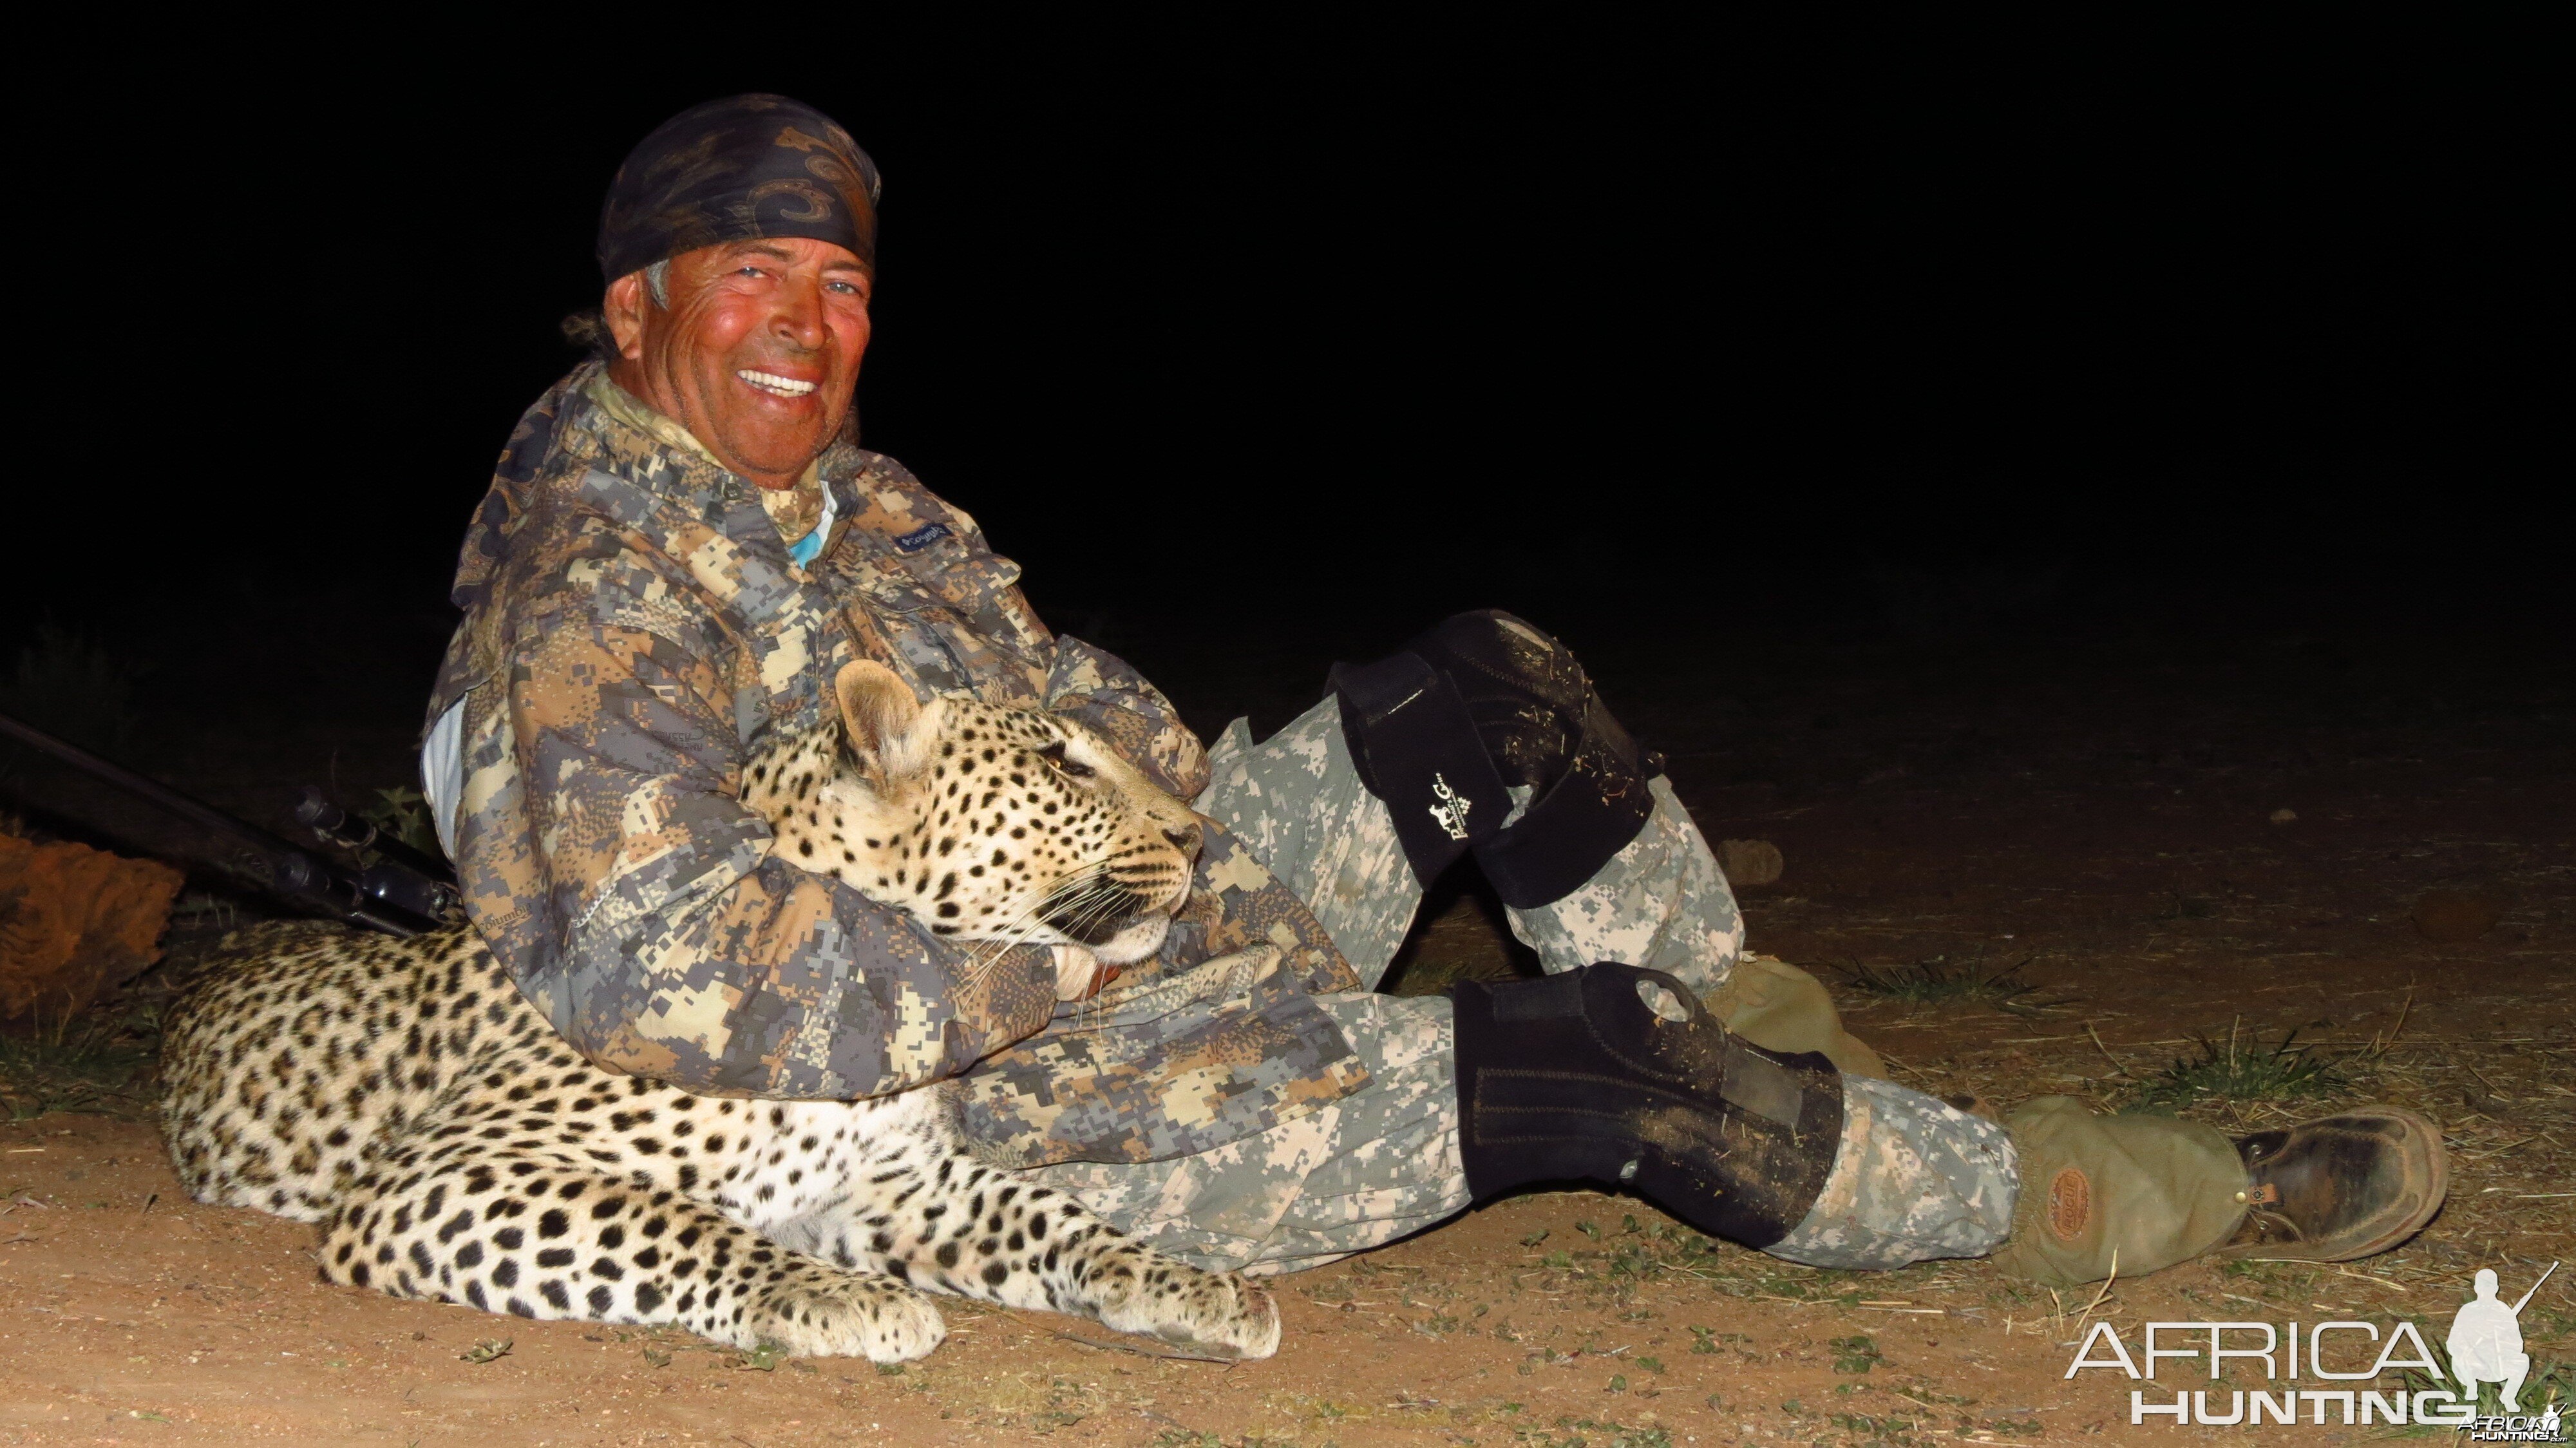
(1027, 921)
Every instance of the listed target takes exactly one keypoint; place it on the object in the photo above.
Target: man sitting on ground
(683, 544)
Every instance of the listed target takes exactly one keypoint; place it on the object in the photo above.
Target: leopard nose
(1185, 838)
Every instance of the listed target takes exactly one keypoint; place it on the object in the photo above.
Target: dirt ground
(2022, 872)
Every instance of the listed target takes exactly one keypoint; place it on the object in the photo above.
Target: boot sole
(2437, 1188)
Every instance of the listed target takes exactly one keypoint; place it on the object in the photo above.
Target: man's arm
(682, 949)
(1084, 682)
(1105, 692)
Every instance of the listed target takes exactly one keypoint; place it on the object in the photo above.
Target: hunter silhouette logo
(2486, 1341)
(1451, 812)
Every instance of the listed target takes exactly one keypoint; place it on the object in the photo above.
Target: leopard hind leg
(531, 1232)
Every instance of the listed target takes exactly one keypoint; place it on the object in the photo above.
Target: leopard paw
(1183, 1306)
(843, 1314)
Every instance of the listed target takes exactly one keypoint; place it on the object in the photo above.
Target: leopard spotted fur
(405, 1096)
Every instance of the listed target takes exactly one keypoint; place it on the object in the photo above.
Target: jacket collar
(587, 447)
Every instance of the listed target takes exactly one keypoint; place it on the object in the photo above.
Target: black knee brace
(1576, 1078)
(1484, 701)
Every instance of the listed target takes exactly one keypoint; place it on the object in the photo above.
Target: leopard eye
(1053, 754)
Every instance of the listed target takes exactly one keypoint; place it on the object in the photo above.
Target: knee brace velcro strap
(1575, 1077)
(1417, 749)
(1570, 832)
(1484, 701)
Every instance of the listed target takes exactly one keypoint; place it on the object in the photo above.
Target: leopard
(405, 1097)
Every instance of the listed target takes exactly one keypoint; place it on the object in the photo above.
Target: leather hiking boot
(2339, 1187)
(1617, 1074)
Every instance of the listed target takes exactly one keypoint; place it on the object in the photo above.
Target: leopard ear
(878, 712)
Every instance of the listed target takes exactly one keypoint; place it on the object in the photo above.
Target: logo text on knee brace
(1451, 812)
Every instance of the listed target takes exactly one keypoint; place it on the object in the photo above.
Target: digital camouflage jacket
(633, 627)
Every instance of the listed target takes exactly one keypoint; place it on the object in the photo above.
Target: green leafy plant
(1855, 1354)
(403, 812)
(1887, 1428)
(1573, 1432)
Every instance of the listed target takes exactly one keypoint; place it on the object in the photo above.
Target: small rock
(2456, 917)
(2284, 816)
(1749, 862)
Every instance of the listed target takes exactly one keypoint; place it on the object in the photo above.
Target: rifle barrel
(2535, 1287)
(297, 872)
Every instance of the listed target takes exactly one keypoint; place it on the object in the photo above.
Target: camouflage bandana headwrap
(736, 169)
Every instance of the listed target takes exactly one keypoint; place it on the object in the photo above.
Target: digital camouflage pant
(1912, 1178)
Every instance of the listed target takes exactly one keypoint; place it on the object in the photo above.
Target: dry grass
(91, 1062)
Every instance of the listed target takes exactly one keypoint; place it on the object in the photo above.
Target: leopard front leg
(534, 1233)
(938, 1218)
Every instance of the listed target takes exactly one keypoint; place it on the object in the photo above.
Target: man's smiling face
(757, 353)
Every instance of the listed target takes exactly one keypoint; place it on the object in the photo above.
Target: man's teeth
(770, 382)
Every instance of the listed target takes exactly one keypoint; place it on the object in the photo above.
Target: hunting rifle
(401, 894)
(2535, 1287)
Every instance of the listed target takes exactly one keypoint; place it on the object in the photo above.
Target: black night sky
(1252, 326)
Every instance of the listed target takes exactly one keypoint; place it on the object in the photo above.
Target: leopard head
(983, 822)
